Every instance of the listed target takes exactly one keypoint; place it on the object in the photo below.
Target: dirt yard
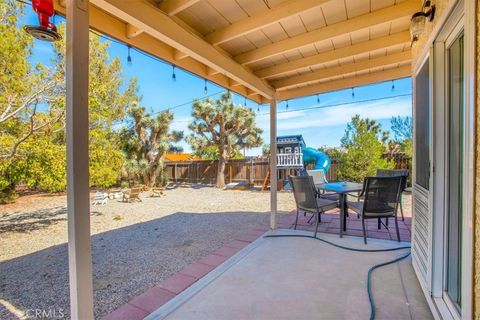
(134, 245)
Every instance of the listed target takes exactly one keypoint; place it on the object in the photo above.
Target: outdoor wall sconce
(417, 23)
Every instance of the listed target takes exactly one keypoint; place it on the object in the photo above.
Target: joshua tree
(147, 141)
(227, 126)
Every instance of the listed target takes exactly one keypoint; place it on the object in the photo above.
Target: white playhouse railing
(290, 159)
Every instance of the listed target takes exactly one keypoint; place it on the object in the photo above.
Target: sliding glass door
(455, 159)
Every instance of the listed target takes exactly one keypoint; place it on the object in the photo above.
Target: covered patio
(267, 51)
(280, 278)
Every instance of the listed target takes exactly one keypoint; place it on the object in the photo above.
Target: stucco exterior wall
(476, 289)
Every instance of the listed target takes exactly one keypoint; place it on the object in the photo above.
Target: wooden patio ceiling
(279, 49)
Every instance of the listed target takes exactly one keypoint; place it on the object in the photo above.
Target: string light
(174, 76)
(129, 57)
(245, 101)
(129, 61)
(342, 104)
(286, 106)
(205, 89)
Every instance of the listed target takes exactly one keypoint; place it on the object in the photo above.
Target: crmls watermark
(45, 314)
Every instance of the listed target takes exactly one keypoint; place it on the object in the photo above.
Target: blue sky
(321, 125)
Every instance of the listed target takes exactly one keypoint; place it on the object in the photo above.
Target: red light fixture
(46, 31)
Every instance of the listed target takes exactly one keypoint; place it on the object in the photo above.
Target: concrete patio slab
(301, 278)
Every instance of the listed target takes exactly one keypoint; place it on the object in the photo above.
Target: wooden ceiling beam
(234, 83)
(154, 22)
(368, 20)
(173, 7)
(318, 59)
(178, 55)
(131, 31)
(261, 20)
(374, 77)
(387, 60)
(211, 72)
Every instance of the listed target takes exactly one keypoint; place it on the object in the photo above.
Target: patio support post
(273, 164)
(78, 198)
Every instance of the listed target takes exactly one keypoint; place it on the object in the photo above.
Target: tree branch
(33, 97)
(32, 130)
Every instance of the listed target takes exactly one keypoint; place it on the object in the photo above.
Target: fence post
(251, 173)
(175, 172)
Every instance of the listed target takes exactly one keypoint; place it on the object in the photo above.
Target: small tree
(226, 126)
(364, 150)
(146, 142)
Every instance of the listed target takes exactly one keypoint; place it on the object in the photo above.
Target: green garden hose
(370, 271)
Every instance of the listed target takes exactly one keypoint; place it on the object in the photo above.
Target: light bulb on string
(318, 99)
(258, 107)
(393, 85)
(205, 89)
(174, 76)
(245, 101)
(353, 93)
(286, 106)
(129, 57)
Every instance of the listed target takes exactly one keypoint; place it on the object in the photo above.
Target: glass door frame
(456, 23)
(454, 35)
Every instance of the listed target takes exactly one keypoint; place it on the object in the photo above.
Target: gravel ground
(134, 245)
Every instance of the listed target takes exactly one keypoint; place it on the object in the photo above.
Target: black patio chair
(381, 196)
(306, 199)
(396, 173)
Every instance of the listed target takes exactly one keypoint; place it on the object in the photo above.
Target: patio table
(342, 188)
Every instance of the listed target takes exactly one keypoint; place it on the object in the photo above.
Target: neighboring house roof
(289, 139)
(180, 157)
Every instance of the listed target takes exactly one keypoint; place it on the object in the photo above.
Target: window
(422, 127)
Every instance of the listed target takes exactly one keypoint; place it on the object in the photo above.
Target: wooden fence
(251, 171)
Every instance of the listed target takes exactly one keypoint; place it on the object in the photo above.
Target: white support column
(78, 199)
(273, 164)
